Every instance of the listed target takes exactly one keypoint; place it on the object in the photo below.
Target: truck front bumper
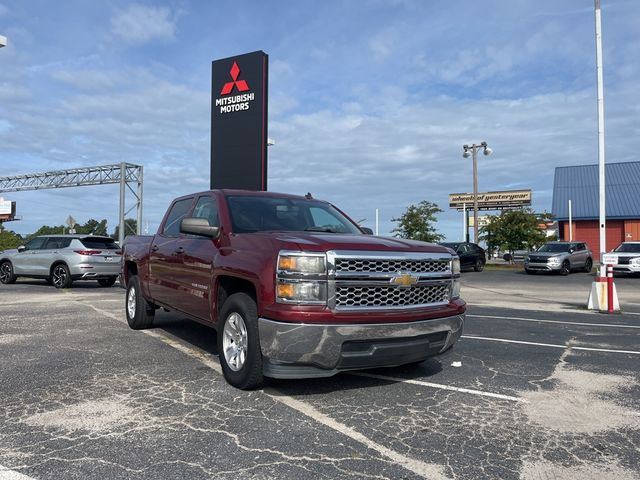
(299, 350)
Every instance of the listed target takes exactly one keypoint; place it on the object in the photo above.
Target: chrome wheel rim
(59, 276)
(5, 272)
(131, 302)
(234, 341)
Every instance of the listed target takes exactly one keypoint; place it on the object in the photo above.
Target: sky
(370, 101)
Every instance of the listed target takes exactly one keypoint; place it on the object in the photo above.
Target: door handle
(179, 250)
(155, 248)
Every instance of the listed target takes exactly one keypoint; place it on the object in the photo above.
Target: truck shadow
(204, 338)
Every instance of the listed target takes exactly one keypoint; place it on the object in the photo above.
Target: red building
(622, 197)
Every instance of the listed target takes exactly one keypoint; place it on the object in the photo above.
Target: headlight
(635, 261)
(455, 290)
(302, 263)
(301, 278)
(554, 260)
(301, 292)
(455, 266)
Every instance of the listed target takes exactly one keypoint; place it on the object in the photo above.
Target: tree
(9, 239)
(130, 228)
(514, 230)
(93, 227)
(47, 230)
(417, 223)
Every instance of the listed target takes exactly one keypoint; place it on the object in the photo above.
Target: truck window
(207, 208)
(177, 213)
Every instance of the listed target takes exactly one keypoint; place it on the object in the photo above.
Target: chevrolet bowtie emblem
(404, 280)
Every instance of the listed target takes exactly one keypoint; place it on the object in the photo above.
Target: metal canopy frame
(129, 176)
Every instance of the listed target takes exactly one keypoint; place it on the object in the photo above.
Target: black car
(471, 255)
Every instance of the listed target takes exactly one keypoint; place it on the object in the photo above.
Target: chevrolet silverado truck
(293, 286)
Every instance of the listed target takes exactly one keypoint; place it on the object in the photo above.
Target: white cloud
(139, 24)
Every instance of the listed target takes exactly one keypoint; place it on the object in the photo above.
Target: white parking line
(440, 386)
(423, 469)
(6, 474)
(609, 325)
(572, 347)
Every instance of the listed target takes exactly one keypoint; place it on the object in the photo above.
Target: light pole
(472, 151)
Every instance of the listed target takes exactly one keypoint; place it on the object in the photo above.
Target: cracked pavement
(83, 396)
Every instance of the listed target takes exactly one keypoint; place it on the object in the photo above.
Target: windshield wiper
(320, 229)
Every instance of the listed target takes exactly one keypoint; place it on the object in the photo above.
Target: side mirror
(366, 230)
(198, 226)
(571, 250)
(21, 248)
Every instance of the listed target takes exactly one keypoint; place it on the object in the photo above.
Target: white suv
(61, 259)
(628, 254)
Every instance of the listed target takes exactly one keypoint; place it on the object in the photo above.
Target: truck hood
(322, 242)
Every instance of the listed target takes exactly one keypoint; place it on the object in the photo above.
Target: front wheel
(566, 268)
(238, 342)
(529, 271)
(61, 276)
(107, 282)
(140, 313)
(588, 265)
(6, 273)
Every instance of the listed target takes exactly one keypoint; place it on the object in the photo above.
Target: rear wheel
(588, 265)
(6, 273)
(107, 282)
(60, 276)
(140, 313)
(238, 342)
(566, 268)
(479, 266)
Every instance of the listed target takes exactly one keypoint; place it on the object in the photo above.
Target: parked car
(517, 256)
(62, 259)
(560, 257)
(294, 287)
(471, 255)
(628, 258)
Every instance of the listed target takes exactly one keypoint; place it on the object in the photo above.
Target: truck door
(165, 256)
(198, 262)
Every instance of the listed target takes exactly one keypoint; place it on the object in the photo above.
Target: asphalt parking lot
(537, 388)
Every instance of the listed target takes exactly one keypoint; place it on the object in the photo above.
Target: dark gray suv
(61, 259)
(560, 257)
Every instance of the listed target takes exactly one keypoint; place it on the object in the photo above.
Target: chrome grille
(624, 260)
(392, 266)
(384, 297)
(535, 259)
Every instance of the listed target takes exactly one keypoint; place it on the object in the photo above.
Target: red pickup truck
(294, 288)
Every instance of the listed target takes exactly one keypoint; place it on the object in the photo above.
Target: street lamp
(471, 151)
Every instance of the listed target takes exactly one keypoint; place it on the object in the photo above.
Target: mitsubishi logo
(404, 280)
(241, 85)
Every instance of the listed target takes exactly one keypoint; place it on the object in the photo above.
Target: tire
(140, 313)
(529, 271)
(566, 268)
(239, 343)
(479, 266)
(107, 282)
(6, 273)
(61, 276)
(588, 265)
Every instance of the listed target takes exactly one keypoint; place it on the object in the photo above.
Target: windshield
(259, 214)
(554, 247)
(451, 245)
(628, 247)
